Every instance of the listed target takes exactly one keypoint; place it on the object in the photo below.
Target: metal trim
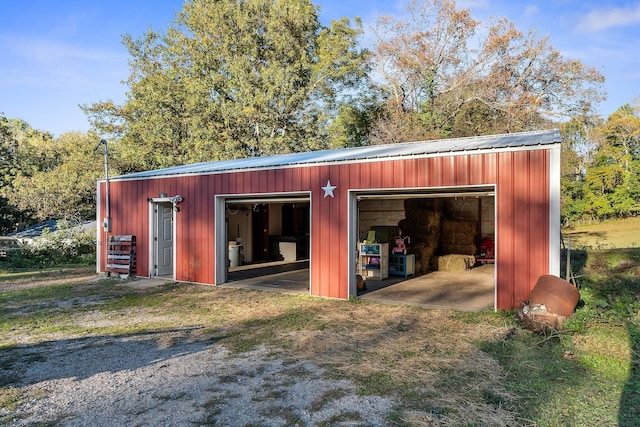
(554, 211)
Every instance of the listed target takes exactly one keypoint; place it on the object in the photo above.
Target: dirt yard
(90, 352)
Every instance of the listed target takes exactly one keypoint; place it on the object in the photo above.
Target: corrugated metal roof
(346, 155)
(37, 230)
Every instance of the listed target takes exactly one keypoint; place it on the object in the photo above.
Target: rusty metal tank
(558, 296)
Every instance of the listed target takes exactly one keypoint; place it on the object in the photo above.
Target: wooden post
(567, 276)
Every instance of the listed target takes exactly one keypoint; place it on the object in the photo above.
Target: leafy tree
(8, 213)
(579, 144)
(613, 181)
(601, 181)
(56, 178)
(351, 127)
(20, 152)
(393, 124)
(621, 133)
(17, 156)
(601, 167)
(7, 153)
(460, 76)
(234, 78)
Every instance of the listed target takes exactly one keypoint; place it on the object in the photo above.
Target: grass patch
(378, 384)
(612, 234)
(589, 374)
(285, 414)
(10, 398)
(169, 397)
(17, 275)
(544, 379)
(345, 418)
(326, 398)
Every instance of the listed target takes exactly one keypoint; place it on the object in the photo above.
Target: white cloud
(602, 19)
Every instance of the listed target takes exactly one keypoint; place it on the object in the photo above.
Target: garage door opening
(268, 243)
(431, 247)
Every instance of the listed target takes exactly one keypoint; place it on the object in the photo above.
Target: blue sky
(55, 55)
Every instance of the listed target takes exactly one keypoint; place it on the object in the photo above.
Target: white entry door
(163, 239)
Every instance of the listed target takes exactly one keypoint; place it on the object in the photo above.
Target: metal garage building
(307, 205)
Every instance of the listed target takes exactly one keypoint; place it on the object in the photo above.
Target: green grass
(54, 309)
(556, 382)
(27, 275)
(613, 234)
(10, 398)
(378, 383)
(589, 374)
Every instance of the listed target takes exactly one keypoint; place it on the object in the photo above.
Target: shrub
(70, 244)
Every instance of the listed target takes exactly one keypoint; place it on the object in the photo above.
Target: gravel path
(175, 378)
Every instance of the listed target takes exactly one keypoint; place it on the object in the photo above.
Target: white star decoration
(328, 189)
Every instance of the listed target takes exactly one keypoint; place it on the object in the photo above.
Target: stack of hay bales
(458, 236)
(422, 224)
(457, 244)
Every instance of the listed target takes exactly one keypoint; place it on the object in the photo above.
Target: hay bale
(423, 252)
(460, 232)
(422, 225)
(459, 226)
(458, 236)
(452, 248)
(430, 220)
(421, 228)
(453, 262)
(422, 219)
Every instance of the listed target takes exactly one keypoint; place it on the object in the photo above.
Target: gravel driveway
(175, 378)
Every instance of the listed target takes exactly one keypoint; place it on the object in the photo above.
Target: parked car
(9, 245)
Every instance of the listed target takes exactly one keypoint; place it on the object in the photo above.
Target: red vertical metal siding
(449, 171)
(477, 169)
(398, 174)
(522, 228)
(521, 180)
(364, 176)
(343, 234)
(320, 221)
(332, 248)
(505, 230)
(434, 168)
(376, 175)
(387, 175)
(208, 227)
(521, 219)
(410, 166)
(539, 221)
(190, 233)
(355, 174)
(461, 170)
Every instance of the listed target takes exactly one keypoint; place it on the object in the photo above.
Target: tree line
(601, 167)
(244, 78)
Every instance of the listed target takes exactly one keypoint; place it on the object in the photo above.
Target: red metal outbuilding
(181, 215)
